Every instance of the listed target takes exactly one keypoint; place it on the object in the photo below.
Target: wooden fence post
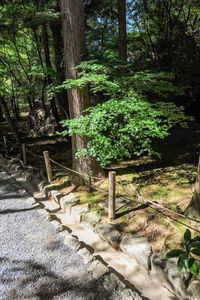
(48, 166)
(6, 144)
(111, 205)
(24, 154)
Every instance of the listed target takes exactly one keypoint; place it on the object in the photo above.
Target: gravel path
(34, 262)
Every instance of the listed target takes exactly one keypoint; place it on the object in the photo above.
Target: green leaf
(194, 267)
(196, 238)
(187, 236)
(196, 252)
(183, 262)
(183, 245)
(174, 253)
(195, 244)
(180, 264)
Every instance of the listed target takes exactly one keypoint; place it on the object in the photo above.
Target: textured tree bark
(15, 107)
(74, 47)
(9, 120)
(193, 208)
(1, 115)
(122, 29)
(55, 27)
(48, 65)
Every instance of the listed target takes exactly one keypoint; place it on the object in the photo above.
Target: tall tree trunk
(48, 65)
(14, 104)
(74, 46)
(15, 107)
(122, 29)
(1, 115)
(55, 27)
(9, 120)
(193, 208)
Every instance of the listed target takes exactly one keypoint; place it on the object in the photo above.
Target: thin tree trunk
(74, 46)
(122, 29)
(55, 27)
(193, 208)
(1, 115)
(9, 120)
(48, 67)
(14, 104)
(14, 107)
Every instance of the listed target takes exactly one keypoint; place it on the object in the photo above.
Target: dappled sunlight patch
(154, 191)
(61, 180)
(176, 196)
(86, 195)
(173, 240)
(137, 223)
(132, 163)
(104, 185)
(172, 188)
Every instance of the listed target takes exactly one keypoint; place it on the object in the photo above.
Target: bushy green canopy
(127, 123)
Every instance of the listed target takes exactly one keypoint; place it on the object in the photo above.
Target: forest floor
(168, 181)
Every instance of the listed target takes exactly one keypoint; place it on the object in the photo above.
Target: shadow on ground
(26, 279)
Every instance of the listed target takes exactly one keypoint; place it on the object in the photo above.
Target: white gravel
(34, 262)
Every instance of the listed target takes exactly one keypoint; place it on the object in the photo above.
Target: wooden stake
(111, 204)
(197, 183)
(6, 144)
(48, 166)
(24, 154)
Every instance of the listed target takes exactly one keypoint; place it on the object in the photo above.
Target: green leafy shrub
(126, 124)
(187, 256)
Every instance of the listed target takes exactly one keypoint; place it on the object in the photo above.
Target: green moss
(123, 218)
(89, 196)
(60, 179)
(181, 228)
(160, 191)
(99, 210)
(154, 191)
(63, 157)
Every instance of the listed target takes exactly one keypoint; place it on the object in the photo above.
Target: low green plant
(187, 255)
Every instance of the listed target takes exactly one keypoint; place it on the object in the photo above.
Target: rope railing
(73, 171)
(56, 163)
(33, 154)
(152, 205)
(15, 146)
(112, 189)
(161, 206)
(175, 220)
(18, 147)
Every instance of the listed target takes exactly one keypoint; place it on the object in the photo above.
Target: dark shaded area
(181, 147)
(11, 211)
(11, 196)
(44, 283)
(131, 210)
